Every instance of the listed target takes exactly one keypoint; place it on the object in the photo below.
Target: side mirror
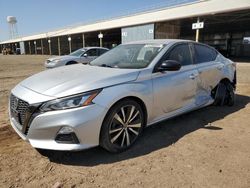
(169, 65)
(85, 55)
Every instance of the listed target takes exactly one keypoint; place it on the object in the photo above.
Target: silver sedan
(83, 55)
(111, 100)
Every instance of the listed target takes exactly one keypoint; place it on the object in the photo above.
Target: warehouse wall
(141, 32)
(167, 30)
(225, 32)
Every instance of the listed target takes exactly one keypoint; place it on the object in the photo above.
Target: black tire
(220, 94)
(122, 126)
(71, 63)
(224, 94)
(230, 95)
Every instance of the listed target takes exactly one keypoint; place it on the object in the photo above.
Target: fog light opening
(66, 135)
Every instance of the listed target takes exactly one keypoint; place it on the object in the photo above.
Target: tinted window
(204, 54)
(77, 53)
(92, 52)
(181, 53)
(102, 51)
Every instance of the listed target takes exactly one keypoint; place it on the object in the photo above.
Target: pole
(69, 39)
(29, 48)
(197, 31)
(12, 48)
(59, 46)
(100, 36)
(70, 46)
(42, 45)
(35, 47)
(83, 40)
(49, 46)
(100, 42)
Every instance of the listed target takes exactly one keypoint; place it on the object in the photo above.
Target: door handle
(193, 76)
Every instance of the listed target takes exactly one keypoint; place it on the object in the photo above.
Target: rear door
(174, 90)
(209, 69)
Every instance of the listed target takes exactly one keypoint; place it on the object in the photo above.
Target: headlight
(75, 101)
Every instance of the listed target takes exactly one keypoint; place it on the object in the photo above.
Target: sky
(36, 16)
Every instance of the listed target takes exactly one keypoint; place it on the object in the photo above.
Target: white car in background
(83, 55)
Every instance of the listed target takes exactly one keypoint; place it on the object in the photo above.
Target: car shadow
(155, 137)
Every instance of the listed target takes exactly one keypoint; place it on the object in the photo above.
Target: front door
(89, 55)
(174, 90)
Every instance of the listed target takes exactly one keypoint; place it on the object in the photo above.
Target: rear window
(204, 54)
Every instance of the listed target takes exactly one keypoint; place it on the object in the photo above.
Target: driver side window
(92, 52)
(181, 53)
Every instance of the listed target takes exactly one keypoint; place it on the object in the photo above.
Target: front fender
(142, 90)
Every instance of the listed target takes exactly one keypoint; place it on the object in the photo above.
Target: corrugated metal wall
(141, 32)
(167, 30)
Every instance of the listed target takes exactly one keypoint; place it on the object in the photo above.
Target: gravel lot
(206, 148)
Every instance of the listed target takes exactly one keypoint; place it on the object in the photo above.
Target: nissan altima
(83, 55)
(111, 100)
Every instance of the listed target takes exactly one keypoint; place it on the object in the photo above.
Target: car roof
(91, 47)
(167, 41)
(158, 41)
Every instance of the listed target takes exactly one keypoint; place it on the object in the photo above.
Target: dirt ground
(206, 148)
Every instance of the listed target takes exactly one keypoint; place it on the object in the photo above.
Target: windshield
(130, 56)
(77, 52)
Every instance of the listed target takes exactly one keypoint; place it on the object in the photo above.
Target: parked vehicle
(18, 51)
(83, 55)
(109, 101)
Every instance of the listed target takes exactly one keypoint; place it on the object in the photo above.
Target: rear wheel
(224, 94)
(122, 126)
(230, 95)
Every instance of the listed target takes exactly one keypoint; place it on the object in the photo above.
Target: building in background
(222, 25)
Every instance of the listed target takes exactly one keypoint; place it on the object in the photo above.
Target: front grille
(48, 61)
(19, 109)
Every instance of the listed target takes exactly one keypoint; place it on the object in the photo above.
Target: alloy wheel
(125, 126)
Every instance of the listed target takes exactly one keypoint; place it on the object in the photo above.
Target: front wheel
(71, 63)
(122, 126)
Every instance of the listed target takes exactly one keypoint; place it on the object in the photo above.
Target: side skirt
(180, 112)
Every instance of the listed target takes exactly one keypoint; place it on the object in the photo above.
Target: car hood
(74, 79)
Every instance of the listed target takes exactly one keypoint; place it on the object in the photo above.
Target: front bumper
(43, 127)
